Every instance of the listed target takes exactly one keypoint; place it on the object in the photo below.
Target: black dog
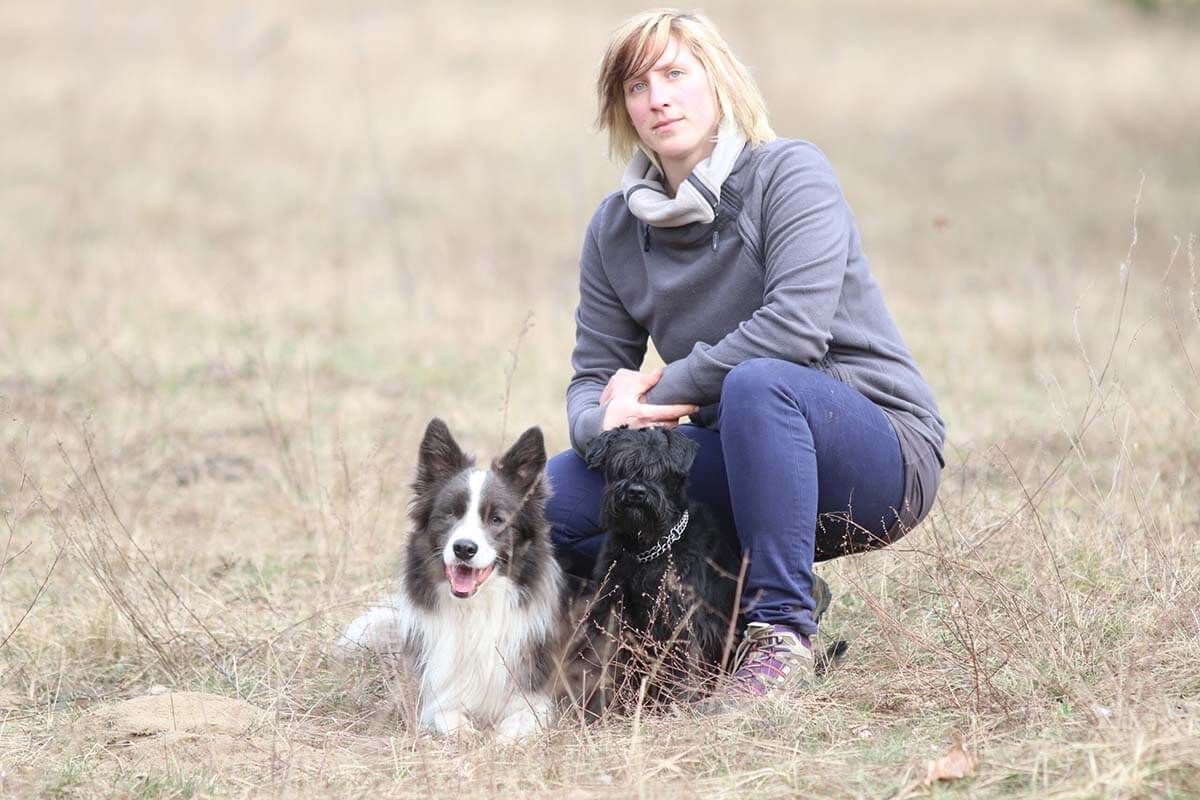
(668, 576)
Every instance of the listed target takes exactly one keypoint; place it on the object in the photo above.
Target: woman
(738, 255)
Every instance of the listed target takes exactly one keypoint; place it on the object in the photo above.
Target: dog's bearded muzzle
(630, 503)
(631, 493)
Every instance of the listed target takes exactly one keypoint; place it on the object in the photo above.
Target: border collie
(479, 612)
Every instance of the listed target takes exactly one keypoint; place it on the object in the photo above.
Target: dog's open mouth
(464, 580)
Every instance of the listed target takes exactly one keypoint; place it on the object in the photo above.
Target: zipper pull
(716, 237)
(646, 239)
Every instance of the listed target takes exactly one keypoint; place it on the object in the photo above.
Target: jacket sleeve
(606, 339)
(805, 231)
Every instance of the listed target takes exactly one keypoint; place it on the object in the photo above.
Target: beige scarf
(696, 198)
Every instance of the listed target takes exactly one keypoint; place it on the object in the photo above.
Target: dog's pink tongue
(462, 579)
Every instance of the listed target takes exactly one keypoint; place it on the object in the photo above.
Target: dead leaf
(957, 763)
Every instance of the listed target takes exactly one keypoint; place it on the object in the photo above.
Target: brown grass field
(249, 249)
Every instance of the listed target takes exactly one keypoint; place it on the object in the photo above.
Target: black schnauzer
(667, 576)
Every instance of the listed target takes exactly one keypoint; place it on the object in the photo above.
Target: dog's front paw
(525, 717)
(518, 725)
(447, 723)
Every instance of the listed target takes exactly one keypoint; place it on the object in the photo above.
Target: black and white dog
(479, 612)
(668, 576)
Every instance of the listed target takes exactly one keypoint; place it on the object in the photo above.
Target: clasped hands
(626, 398)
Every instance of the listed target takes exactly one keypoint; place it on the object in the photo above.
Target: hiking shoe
(774, 656)
(771, 657)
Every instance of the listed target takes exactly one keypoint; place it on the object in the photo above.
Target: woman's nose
(658, 96)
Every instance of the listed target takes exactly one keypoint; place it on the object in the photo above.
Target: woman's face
(673, 107)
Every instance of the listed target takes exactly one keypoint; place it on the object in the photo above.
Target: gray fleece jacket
(779, 273)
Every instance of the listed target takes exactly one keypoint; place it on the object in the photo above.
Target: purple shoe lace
(771, 657)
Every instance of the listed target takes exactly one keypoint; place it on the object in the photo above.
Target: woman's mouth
(666, 125)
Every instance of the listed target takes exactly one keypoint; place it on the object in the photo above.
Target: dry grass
(247, 252)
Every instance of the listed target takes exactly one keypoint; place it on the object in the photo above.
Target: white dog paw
(448, 723)
(524, 720)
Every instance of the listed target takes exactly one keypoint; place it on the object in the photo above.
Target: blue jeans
(803, 469)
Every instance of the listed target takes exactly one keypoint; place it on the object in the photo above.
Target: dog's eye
(496, 519)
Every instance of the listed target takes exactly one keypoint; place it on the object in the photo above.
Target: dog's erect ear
(597, 452)
(682, 449)
(525, 460)
(439, 457)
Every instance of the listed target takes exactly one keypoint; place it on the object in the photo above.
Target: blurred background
(247, 250)
(251, 250)
(378, 195)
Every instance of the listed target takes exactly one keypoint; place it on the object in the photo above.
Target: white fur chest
(475, 652)
(474, 655)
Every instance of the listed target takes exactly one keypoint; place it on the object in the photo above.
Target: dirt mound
(171, 713)
(188, 730)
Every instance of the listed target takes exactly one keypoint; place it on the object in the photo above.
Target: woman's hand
(626, 394)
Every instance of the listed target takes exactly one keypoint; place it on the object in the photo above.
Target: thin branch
(37, 596)
(509, 372)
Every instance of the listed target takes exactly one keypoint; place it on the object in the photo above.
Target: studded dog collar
(664, 544)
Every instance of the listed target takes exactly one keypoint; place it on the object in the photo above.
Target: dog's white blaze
(471, 528)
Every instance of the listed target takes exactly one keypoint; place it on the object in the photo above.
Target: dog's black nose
(636, 491)
(465, 549)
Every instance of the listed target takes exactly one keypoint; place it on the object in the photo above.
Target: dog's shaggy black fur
(671, 618)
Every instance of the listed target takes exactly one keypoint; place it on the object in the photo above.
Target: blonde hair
(640, 42)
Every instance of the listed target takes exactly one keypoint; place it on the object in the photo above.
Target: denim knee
(574, 492)
(749, 378)
(748, 383)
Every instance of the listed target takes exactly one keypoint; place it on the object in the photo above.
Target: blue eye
(637, 87)
(675, 73)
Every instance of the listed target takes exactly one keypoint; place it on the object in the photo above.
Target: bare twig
(37, 595)
(1097, 394)
(151, 563)
(509, 372)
